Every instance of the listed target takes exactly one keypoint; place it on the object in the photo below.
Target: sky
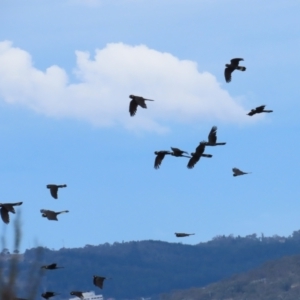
(67, 68)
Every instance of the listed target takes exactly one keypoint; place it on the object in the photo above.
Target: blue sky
(66, 70)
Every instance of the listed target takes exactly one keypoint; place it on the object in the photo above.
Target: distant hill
(279, 279)
(147, 268)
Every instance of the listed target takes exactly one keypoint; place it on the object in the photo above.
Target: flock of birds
(212, 137)
(7, 208)
(194, 157)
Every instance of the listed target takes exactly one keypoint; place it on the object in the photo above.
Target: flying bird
(51, 267)
(6, 208)
(51, 215)
(197, 155)
(234, 65)
(238, 172)
(178, 153)
(77, 294)
(54, 189)
(160, 155)
(183, 234)
(98, 281)
(258, 110)
(212, 138)
(135, 102)
(48, 295)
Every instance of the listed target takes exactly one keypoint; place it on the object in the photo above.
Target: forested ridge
(150, 268)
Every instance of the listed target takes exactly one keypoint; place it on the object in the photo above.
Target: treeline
(279, 279)
(147, 268)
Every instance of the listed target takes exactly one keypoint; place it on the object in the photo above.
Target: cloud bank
(182, 94)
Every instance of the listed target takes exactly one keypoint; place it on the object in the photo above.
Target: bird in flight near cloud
(135, 102)
(234, 65)
(212, 138)
(258, 110)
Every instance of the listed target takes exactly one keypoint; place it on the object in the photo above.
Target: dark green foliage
(278, 279)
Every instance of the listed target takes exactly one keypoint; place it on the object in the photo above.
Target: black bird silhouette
(197, 155)
(183, 234)
(54, 189)
(212, 138)
(160, 155)
(258, 110)
(238, 172)
(234, 65)
(51, 267)
(178, 153)
(6, 208)
(137, 100)
(77, 294)
(48, 295)
(98, 281)
(52, 215)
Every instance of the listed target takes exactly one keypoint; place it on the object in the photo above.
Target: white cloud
(181, 93)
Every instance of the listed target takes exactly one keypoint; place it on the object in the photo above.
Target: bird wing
(158, 160)
(133, 107)
(235, 61)
(141, 102)
(193, 160)
(227, 74)
(53, 191)
(176, 149)
(4, 215)
(200, 149)
(50, 214)
(260, 108)
(98, 281)
(237, 171)
(212, 137)
(252, 112)
(52, 266)
(10, 206)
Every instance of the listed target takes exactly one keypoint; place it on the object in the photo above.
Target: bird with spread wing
(197, 155)
(54, 189)
(160, 155)
(99, 280)
(52, 215)
(258, 110)
(212, 138)
(135, 102)
(6, 208)
(234, 65)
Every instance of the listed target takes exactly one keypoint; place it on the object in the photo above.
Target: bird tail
(64, 211)
(206, 155)
(241, 68)
(220, 144)
(268, 111)
(148, 99)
